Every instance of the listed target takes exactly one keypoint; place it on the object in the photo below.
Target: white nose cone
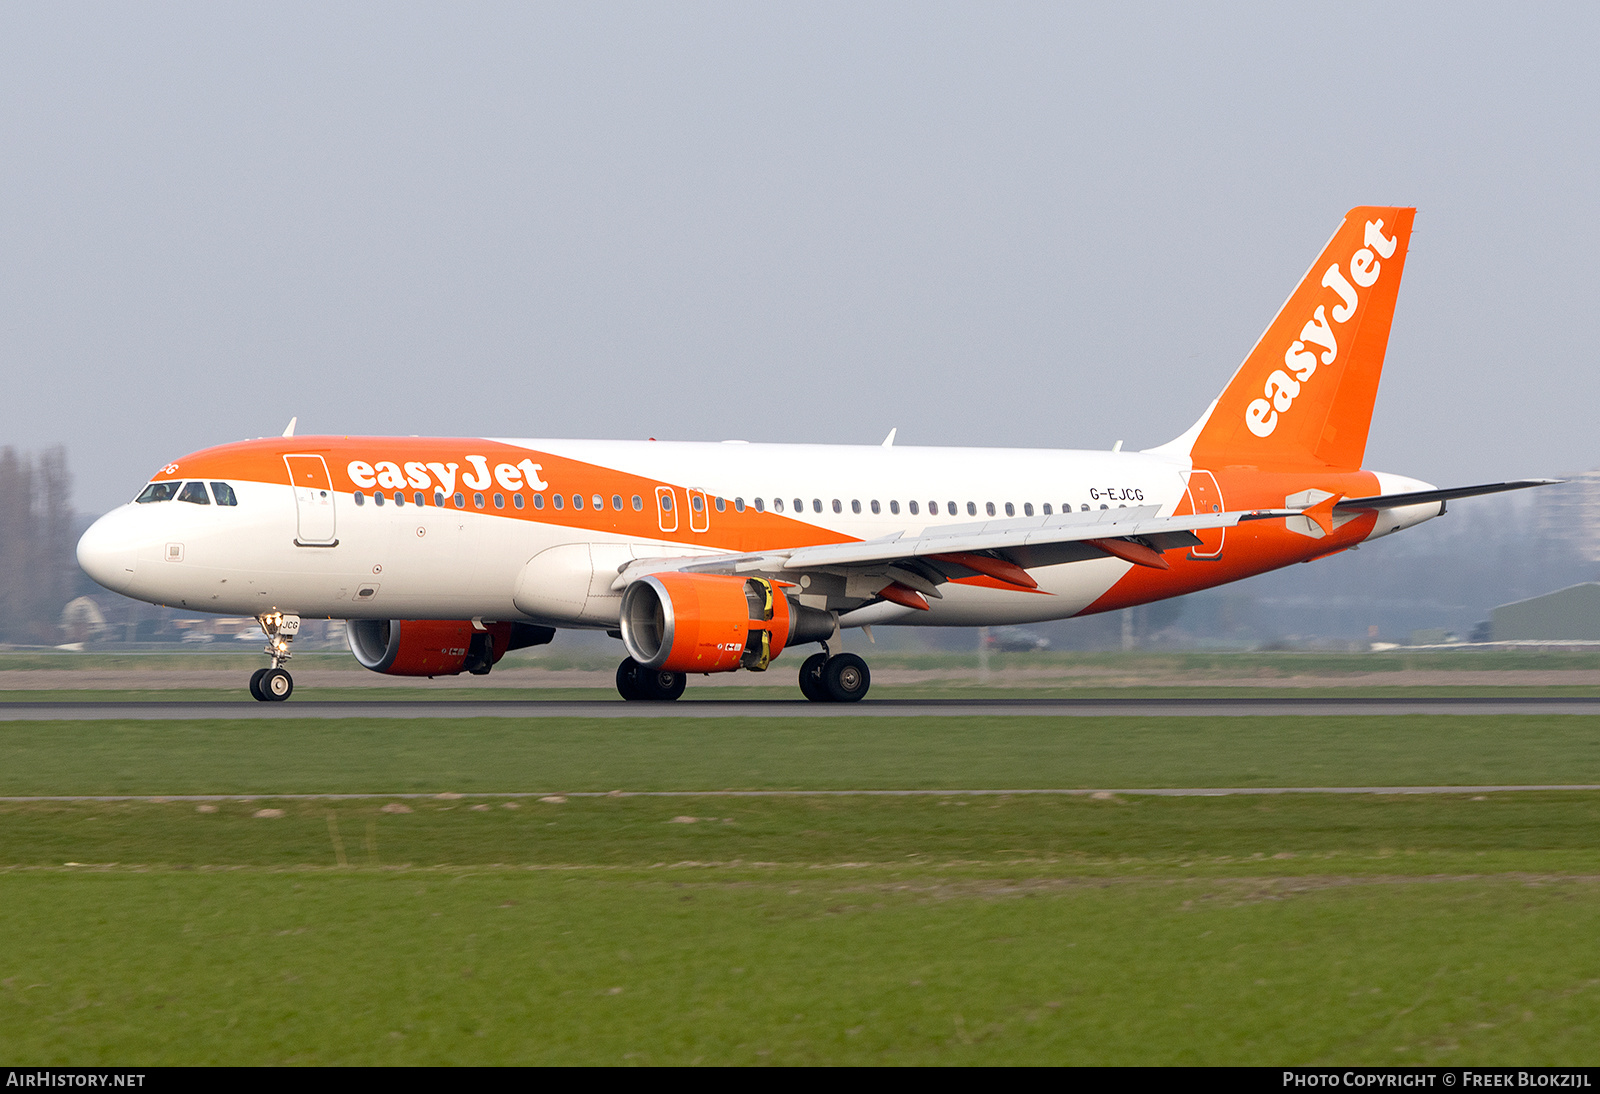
(107, 552)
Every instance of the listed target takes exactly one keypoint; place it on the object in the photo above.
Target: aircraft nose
(107, 552)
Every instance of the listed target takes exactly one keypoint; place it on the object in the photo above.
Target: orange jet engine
(677, 622)
(437, 647)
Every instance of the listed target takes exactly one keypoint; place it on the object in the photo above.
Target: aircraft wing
(1394, 501)
(1003, 549)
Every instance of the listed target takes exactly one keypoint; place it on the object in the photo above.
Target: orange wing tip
(1129, 551)
(897, 593)
(997, 568)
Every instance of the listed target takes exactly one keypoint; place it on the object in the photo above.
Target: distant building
(1566, 615)
(82, 620)
(1570, 513)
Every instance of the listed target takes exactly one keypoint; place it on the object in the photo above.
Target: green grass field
(1302, 928)
(368, 755)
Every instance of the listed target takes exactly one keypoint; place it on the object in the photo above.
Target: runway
(1266, 706)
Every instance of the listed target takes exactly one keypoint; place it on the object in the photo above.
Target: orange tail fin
(1304, 395)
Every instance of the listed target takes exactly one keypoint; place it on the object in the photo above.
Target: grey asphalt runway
(1354, 706)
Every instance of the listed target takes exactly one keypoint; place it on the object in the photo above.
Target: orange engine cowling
(437, 647)
(680, 622)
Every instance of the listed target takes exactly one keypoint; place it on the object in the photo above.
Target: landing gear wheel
(629, 680)
(662, 686)
(255, 685)
(846, 678)
(275, 685)
(811, 685)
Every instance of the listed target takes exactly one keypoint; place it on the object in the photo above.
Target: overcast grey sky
(987, 224)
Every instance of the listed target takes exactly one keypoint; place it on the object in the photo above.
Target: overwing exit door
(666, 509)
(313, 501)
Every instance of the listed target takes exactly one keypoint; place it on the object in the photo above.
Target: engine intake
(437, 647)
(680, 622)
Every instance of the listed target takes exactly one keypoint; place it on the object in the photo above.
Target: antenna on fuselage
(888, 442)
(288, 430)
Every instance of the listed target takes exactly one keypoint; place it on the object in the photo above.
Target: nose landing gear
(843, 678)
(274, 685)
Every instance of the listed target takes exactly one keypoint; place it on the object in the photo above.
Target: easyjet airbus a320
(443, 554)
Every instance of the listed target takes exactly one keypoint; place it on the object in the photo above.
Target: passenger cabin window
(875, 508)
(777, 505)
(972, 508)
(836, 507)
(738, 505)
(1027, 508)
(477, 500)
(194, 493)
(438, 498)
(361, 499)
(558, 500)
(894, 507)
(913, 508)
(577, 501)
(399, 497)
(616, 502)
(1011, 510)
(697, 502)
(666, 502)
(1047, 509)
(599, 502)
(516, 499)
(158, 491)
(759, 506)
(538, 501)
(461, 502)
(988, 507)
(224, 494)
(855, 505)
(377, 497)
(499, 501)
(638, 503)
(816, 505)
(419, 497)
(722, 505)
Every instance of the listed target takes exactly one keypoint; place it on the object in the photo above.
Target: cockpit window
(195, 493)
(158, 491)
(224, 493)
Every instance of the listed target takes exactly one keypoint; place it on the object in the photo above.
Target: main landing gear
(635, 682)
(274, 685)
(842, 678)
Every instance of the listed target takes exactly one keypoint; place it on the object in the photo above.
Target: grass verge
(365, 755)
(1317, 929)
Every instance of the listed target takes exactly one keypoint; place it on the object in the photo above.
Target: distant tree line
(38, 570)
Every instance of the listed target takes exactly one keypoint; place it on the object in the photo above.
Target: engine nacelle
(679, 622)
(437, 647)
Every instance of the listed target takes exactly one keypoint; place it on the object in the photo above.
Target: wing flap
(1028, 542)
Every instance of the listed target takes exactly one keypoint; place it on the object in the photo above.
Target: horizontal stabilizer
(1418, 497)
